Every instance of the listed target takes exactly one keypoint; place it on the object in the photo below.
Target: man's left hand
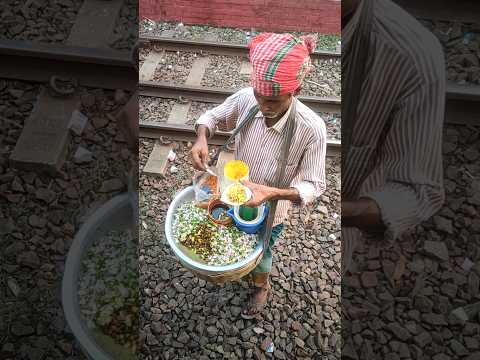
(260, 193)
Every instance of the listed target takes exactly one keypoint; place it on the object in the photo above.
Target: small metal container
(218, 204)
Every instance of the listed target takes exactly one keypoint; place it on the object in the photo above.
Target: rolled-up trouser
(265, 264)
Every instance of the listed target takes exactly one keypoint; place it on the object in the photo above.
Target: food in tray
(236, 194)
(214, 244)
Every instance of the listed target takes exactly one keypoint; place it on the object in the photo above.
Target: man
(280, 63)
(392, 161)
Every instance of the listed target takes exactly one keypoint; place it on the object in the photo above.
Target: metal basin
(185, 195)
(116, 214)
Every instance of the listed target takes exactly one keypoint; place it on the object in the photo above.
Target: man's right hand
(200, 153)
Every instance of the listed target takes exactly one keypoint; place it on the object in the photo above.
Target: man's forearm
(291, 194)
(202, 132)
(363, 213)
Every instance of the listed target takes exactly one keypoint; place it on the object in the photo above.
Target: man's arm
(224, 116)
(200, 148)
(311, 175)
(263, 193)
(411, 161)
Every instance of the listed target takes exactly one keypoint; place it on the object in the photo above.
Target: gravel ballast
(461, 43)
(420, 296)
(40, 215)
(125, 33)
(225, 72)
(42, 20)
(219, 34)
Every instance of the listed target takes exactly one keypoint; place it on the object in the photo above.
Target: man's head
(280, 63)
(273, 107)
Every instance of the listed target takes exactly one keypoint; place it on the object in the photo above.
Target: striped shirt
(397, 137)
(259, 146)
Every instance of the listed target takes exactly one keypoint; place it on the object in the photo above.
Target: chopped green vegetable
(215, 244)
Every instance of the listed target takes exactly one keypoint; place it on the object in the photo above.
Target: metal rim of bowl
(195, 264)
(211, 205)
(79, 247)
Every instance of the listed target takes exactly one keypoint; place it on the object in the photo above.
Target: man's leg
(260, 277)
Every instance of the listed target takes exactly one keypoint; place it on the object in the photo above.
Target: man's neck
(272, 121)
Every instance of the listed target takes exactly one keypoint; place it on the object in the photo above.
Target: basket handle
(280, 173)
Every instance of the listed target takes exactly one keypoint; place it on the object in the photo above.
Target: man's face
(273, 106)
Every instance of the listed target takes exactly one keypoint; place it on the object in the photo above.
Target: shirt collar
(350, 28)
(280, 124)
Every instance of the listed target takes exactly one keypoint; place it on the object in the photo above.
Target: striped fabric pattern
(280, 63)
(259, 146)
(397, 138)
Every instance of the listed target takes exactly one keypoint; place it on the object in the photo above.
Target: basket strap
(250, 116)
(280, 173)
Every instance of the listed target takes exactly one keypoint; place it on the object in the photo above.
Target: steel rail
(187, 133)
(93, 67)
(223, 48)
(218, 95)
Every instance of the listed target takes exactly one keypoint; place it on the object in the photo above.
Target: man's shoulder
(311, 122)
(244, 98)
(245, 93)
(399, 32)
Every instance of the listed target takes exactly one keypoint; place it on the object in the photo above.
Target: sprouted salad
(215, 244)
(236, 194)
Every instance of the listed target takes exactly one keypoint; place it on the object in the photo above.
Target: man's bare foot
(256, 303)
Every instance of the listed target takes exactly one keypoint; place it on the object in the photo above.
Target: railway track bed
(225, 65)
(194, 67)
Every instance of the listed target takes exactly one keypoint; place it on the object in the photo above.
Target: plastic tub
(250, 227)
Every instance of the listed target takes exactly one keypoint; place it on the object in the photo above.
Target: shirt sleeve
(311, 175)
(412, 161)
(224, 116)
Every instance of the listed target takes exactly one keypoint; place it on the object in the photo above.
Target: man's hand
(260, 193)
(363, 213)
(199, 150)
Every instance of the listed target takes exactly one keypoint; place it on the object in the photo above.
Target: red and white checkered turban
(280, 62)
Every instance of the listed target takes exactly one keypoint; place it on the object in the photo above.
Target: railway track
(218, 95)
(192, 90)
(93, 67)
(183, 132)
(83, 60)
(223, 48)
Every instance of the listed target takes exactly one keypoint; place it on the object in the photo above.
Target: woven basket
(224, 276)
(214, 274)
